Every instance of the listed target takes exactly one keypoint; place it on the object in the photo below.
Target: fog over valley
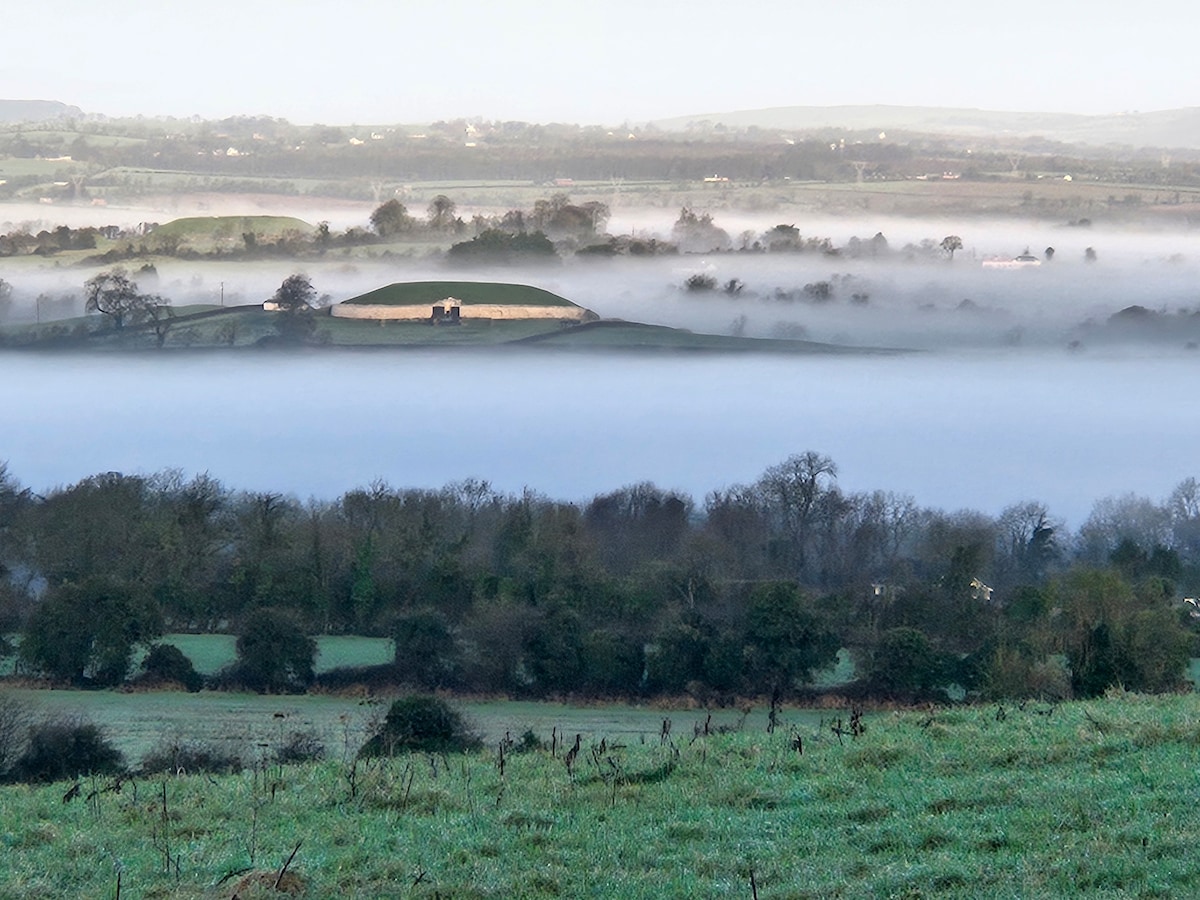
(556, 450)
(1064, 382)
(898, 290)
(954, 429)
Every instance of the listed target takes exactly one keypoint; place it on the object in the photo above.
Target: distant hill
(202, 231)
(1165, 128)
(15, 111)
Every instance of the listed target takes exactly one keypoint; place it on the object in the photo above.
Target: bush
(167, 664)
(421, 724)
(190, 757)
(58, 750)
(529, 743)
(299, 747)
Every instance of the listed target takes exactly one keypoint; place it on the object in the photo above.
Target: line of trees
(638, 591)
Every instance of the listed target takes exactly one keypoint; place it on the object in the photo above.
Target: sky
(411, 61)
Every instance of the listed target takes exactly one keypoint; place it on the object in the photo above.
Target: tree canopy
(116, 295)
(391, 218)
(636, 592)
(295, 294)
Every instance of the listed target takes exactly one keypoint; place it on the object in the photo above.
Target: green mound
(427, 293)
(230, 227)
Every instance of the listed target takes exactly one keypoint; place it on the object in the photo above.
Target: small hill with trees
(205, 233)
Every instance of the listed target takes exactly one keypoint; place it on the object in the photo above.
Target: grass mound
(193, 228)
(422, 293)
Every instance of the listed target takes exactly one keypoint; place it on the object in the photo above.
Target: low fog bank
(957, 430)
(903, 292)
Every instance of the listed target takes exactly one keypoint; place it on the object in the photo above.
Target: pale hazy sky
(385, 61)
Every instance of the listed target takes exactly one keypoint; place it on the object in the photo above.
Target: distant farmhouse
(1024, 261)
(450, 302)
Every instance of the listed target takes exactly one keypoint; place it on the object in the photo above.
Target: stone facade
(424, 312)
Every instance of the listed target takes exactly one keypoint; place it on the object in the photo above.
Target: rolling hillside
(1164, 128)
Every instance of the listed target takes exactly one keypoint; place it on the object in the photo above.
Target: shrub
(529, 743)
(167, 664)
(59, 749)
(299, 747)
(421, 724)
(190, 757)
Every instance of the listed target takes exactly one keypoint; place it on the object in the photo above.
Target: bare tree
(116, 295)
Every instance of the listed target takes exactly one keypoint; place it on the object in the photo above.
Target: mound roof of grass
(427, 293)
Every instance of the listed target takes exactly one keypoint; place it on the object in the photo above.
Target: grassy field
(403, 333)
(245, 326)
(1086, 799)
(16, 167)
(241, 723)
(210, 653)
(613, 335)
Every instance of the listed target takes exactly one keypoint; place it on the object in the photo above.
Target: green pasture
(401, 333)
(421, 293)
(186, 181)
(1089, 799)
(16, 167)
(614, 335)
(139, 721)
(210, 653)
(206, 327)
(200, 326)
(66, 137)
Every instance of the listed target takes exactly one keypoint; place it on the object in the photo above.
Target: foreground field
(1094, 799)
